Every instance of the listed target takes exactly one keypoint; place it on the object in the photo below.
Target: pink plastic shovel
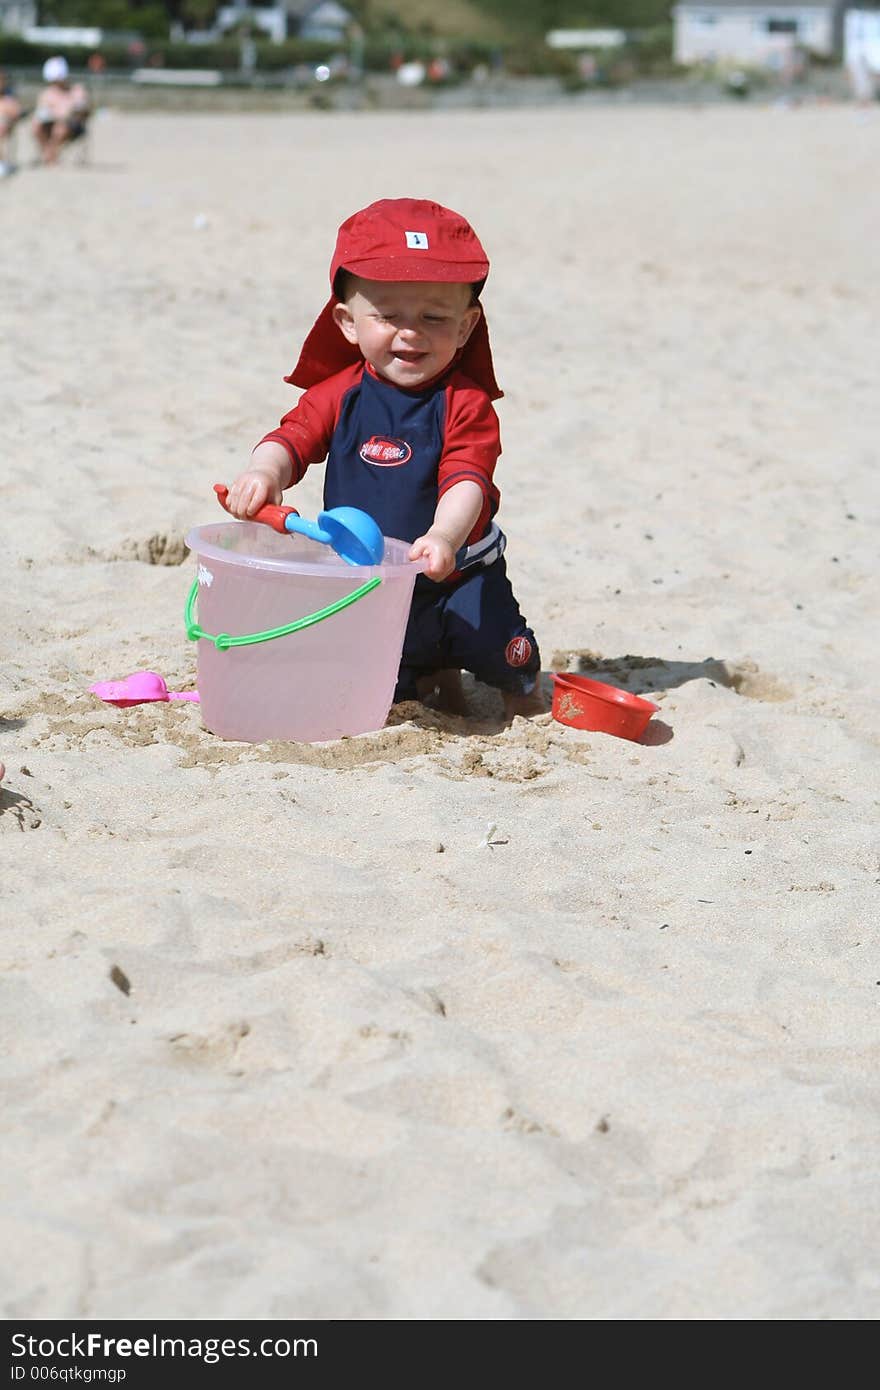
(139, 689)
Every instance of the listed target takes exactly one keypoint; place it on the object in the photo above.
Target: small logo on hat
(518, 651)
(387, 453)
(417, 241)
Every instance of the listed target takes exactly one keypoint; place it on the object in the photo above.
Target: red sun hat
(398, 239)
(409, 239)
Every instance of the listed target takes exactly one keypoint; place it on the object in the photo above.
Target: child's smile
(408, 331)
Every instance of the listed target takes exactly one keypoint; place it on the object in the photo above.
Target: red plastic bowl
(586, 704)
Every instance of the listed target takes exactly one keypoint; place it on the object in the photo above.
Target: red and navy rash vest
(394, 452)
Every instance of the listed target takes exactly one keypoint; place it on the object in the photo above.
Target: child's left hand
(437, 552)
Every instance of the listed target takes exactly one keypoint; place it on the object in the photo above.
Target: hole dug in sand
(642, 674)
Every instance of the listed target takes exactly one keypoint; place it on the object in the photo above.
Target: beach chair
(77, 149)
(80, 143)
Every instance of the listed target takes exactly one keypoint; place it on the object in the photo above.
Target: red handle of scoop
(270, 515)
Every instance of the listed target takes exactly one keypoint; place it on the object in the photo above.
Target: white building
(861, 38)
(325, 20)
(284, 19)
(270, 21)
(17, 15)
(754, 34)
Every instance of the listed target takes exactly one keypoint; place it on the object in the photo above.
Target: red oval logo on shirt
(387, 453)
(518, 651)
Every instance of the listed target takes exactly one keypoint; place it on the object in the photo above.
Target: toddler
(398, 400)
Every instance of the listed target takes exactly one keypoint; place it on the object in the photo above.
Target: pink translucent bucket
(330, 679)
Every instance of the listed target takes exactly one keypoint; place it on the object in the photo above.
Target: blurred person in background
(62, 110)
(11, 110)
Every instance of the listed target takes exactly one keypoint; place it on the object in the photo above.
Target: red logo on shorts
(518, 651)
(387, 453)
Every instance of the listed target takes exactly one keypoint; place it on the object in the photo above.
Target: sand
(287, 1030)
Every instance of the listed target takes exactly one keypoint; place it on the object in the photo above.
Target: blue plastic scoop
(353, 534)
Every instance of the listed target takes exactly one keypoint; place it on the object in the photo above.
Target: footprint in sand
(209, 1049)
(162, 548)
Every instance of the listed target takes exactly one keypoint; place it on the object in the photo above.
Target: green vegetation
(120, 16)
(500, 20)
(465, 32)
(481, 21)
(539, 16)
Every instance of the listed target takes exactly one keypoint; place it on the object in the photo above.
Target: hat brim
(399, 268)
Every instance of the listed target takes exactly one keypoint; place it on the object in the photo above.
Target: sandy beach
(455, 1020)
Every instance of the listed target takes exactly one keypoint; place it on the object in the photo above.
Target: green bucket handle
(223, 641)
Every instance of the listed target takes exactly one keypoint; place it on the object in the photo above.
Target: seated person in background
(11, 110)
(62, 110)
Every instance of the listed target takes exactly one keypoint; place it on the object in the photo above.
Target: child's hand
(436, 549)
(251, 491)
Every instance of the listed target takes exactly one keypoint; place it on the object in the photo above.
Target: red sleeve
(471, 447)
(305, 431)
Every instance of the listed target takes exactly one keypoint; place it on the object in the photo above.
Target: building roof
(326, 10)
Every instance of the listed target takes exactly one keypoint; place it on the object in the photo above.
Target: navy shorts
(472, 625)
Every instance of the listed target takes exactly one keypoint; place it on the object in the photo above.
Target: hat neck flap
(326, 351)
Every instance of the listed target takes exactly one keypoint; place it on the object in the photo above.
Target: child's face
(408, 331)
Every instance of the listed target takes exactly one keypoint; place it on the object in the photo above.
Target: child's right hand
(251, 491)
